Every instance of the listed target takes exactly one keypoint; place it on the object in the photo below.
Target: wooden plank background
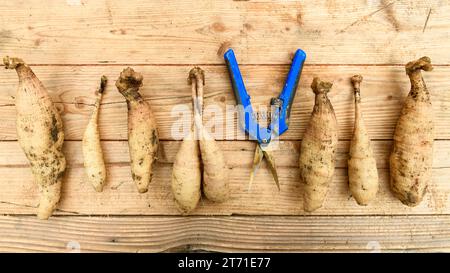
(70, 44)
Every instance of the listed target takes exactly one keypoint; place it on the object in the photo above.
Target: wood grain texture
(228, 234)
(261, 32)
(238, 154)
(166, 88)
(120, 197)
(70, 44)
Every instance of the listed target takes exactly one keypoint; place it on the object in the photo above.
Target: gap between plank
(76, 215)
(126, 163)
(216, 64)
(222, 140)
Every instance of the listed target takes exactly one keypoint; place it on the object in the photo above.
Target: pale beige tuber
(362, 167)
(411, 159)
(143, 139)
(186, 173)
(94, 164)
(318, 148)
(215, 176)
(40, 134)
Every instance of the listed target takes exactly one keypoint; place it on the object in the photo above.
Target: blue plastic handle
(280, 119)
(247, 117)
(288, 93)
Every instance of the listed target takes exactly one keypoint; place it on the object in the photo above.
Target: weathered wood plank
(19, 194)
(120, 197)
(228, 234)
(238, 154)
(174, 32)
(71, 43)
(383, 90)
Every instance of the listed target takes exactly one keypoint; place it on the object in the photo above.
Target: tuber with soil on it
(215, 176)
(40, 134)
(94, 163)
(362, 167)
(412, 155)
(318, 148)
(186, 173)
(142, 133)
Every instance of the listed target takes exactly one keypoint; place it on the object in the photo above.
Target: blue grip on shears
(289, 90)
(247, 118)
(280, 120)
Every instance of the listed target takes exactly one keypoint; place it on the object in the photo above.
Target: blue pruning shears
(280, 110)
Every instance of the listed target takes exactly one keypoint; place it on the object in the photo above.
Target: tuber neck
(321, 101)
(132, 94)
(24, 72)
(418, 88)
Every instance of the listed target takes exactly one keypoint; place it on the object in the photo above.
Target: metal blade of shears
(257, 159)
(273, 168)
(260, 154)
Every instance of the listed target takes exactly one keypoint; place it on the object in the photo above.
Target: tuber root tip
(103, 82)
(356, 82)
(196, 73)
(12, 63)
(356, 79)
(129, 79)
(46, 208)
(423, 63)
(319, 86)
(98, 187)
(142, 190)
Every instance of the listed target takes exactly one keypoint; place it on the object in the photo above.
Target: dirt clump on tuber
(40, 134)
(318, 148)
(143, 139)
(412, 155)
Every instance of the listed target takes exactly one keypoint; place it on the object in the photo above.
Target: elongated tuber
(318, 148)
(40, 134)
(186, 173)
(412, 155)
(142, 133)
(362, 167)
(215, 176)
(94, 163)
